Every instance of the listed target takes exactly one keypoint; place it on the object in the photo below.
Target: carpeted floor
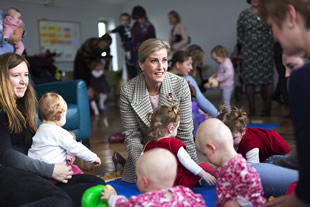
(263, 126)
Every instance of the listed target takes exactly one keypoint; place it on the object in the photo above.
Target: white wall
(87, 13)
(208, 22)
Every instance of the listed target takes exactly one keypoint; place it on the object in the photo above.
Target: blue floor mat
(263, 126)
(130, 189)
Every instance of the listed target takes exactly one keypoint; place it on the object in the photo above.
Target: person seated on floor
(291, 64)
(198, 56)
(255, 144)
(164, 123)
(153, 87)
(181, 64)
(21, 181)
(156, 186)
(51, 143)
(238, 183)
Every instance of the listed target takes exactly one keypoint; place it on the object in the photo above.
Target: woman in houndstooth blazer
(153, 87)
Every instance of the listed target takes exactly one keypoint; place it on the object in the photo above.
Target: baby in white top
(51, 143)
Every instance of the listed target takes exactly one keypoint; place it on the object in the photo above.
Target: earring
(290, 25)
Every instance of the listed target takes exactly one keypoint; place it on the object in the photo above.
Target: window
(102, 29)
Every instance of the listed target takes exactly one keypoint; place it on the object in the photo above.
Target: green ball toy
(91, 197)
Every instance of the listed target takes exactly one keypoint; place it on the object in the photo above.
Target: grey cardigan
(135, 104)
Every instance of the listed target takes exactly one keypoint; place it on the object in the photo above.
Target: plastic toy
(91, 197)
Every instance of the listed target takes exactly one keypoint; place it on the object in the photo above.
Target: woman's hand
(62, 172)
(107, 193)
(16, 36)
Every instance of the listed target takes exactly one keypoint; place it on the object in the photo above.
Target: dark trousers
(280, 93)
(77, 185)
(23, 188)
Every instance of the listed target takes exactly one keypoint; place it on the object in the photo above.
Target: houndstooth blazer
(135, 104)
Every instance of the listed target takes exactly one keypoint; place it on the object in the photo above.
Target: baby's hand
(69, 159)
(107, 193)
(210, 179)
(97, 162)
(207, 85)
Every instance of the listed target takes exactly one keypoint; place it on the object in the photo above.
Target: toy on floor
(271, 198)
(91, 197)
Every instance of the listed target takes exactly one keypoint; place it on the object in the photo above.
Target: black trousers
(23, 188)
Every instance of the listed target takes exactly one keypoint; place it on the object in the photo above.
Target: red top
(268, 141)
(173, 145)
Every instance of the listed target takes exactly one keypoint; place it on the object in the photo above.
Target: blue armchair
(75, 94)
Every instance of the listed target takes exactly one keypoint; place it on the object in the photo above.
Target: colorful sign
(60, 37)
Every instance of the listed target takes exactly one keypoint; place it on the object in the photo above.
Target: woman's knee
(275, 179)
(86, 178)
(58, 198)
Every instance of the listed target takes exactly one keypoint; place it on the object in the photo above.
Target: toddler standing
(255, 144)
(93, 108)
(225, 74)
(238, 183)
(124, 32)
(11, 22)
(51, 143)
(156, 171)
(164, 123)
(99, 82)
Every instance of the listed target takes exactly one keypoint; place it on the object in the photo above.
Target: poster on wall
(62, 37)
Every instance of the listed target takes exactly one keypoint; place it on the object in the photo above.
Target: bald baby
(156, 169)
(214, 140)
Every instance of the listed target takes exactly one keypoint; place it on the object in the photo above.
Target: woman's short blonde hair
(151, 45)
(176, 15)
(278, 9)
(51, 107)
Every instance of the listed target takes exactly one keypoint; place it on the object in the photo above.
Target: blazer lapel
(141, 101)
(167, 97)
